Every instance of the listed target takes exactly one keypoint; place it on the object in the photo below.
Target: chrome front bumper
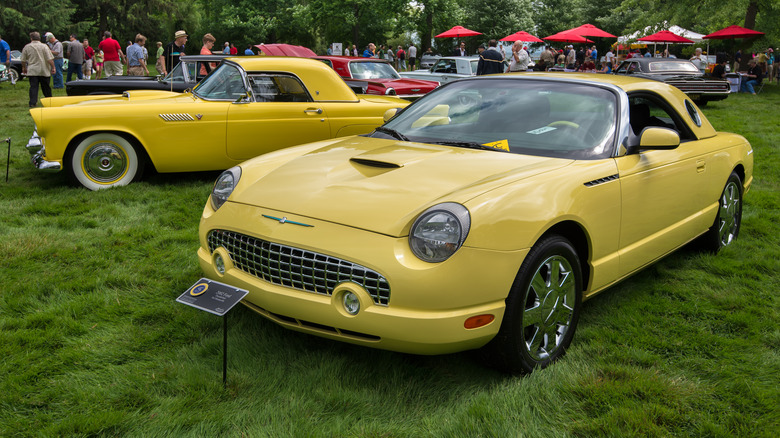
(37, 151)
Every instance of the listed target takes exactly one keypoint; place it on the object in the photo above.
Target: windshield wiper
(392, 132)
(466, 144)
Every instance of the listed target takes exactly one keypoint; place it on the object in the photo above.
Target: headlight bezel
(224, 186)
(437, 250)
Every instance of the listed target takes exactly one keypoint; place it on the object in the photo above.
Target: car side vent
(606, 179)
(177, 117)
(374, 163)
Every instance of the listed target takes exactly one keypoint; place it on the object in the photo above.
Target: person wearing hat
(112, 53)
(56, 49)
(174, 50)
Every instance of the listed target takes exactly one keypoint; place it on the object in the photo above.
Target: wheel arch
(576, 234)
(139, 147)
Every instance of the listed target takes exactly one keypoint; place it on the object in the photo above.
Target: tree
(18, 18)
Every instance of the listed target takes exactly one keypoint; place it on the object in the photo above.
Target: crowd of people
(108, 58)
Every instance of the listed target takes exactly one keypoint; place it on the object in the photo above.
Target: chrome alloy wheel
(729, 213)
(549, 307)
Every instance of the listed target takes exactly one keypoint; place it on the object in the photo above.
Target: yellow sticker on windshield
(501, 144)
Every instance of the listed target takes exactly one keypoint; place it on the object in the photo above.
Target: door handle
(313, 110)
(700, 165)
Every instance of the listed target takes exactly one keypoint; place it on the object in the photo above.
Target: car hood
(114, 99)
(406, 85)
(380, 185)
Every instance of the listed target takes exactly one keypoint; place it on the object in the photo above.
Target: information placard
(212, 296)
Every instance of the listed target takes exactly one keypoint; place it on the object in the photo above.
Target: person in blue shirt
(369, 52)
(248, 51)
(5, 53)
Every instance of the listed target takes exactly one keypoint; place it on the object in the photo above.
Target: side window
(650, 111)
(278, 88)
(445, 66)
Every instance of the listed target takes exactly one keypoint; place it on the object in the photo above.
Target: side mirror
(243, 98)
(389, 114)
(656, 138)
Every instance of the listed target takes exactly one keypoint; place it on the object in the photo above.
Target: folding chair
(761, 86)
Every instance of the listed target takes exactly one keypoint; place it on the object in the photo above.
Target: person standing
(5, 53)
(75, 57)
(175, 49)
(737, 60)
(226, 48)
(461, 51)
(208, 44)
(250, 52)
(412, 57)
(112, 54)
(697, 60)
(490, 60)
(38, 66)
(233, 49)
(401, 56)
(369, 52)
(136, 62)
(89, 53)
(56, 50)
(160, 63)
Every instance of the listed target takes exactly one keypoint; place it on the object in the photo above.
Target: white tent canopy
(677, 30)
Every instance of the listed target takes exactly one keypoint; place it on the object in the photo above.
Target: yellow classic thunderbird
(246, 107)
(481, 216)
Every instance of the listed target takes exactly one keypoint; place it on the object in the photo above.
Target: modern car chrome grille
(606, 179)
(297, 268)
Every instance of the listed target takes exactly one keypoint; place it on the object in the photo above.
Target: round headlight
(390, 92)
(438, 233)
(351, 303)
(224, 186)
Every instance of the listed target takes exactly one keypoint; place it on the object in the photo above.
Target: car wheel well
(142, 154)
(740, 171)
(574, 232)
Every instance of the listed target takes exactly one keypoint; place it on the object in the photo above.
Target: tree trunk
(750, 15)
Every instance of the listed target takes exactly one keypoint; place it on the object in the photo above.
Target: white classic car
(446, 69)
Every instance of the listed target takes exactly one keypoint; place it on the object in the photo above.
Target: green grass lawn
(92, 341)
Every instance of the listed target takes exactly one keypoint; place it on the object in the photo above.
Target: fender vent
(177, 117)
(606, 179)
(374, 163)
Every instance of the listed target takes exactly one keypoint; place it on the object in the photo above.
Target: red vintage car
(376, 76)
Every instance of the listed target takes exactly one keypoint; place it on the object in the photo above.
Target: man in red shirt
(112, 53)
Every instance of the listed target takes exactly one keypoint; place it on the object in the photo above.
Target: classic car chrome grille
(183, 117)
(297, 268)
(701, 86)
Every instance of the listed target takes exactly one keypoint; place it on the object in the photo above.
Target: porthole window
(693, 113)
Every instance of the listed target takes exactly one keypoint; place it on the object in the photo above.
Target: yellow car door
(278, 114)
(664, 194)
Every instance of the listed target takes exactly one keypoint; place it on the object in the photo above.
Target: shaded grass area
(93, 343)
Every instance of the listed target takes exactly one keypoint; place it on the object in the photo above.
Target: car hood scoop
(381, 185)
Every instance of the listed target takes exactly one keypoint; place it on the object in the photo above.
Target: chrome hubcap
(105, 162)
(549, 307)
(728, 213)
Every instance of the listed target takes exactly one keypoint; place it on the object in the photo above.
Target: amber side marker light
(478, 321)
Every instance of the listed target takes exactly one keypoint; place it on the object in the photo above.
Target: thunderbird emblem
(199, 116)
(284, 220)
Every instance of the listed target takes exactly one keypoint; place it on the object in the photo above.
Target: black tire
(729, 218)
(104, 160)
(542, 309)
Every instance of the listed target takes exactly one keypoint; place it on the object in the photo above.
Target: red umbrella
(590, 30)
(457, 32)
(665, 36)
(733, 31)
(522, 36)
(567, 37)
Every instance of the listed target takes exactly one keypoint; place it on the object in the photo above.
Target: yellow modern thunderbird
(481, 216)
(246, 107)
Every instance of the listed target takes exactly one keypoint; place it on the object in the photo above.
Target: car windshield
(372, 70)
(177, 74)
(533, 117)
(224, 83)
(669, 66)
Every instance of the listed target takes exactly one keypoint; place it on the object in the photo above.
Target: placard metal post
(215, 298)
(8, 162)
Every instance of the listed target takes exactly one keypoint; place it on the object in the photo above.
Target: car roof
(214, 57)
(322, 81)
